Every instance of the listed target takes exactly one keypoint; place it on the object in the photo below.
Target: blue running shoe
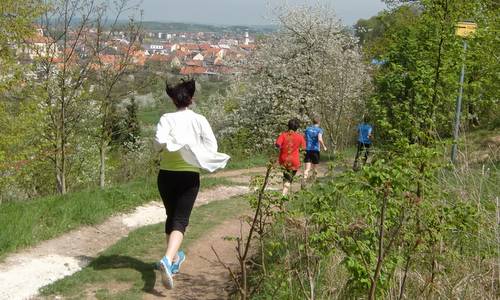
(177, 265)
(166, 273)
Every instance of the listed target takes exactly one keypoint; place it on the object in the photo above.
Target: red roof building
(193, 70)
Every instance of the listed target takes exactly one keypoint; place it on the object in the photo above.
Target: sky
(247, 12)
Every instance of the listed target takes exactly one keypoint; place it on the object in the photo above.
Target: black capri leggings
(178, 190)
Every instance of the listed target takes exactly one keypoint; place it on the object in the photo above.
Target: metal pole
(458, 110)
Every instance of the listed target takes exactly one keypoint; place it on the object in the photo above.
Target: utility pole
(464, 29)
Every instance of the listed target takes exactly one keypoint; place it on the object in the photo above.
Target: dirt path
(23, 273)
(202, 276)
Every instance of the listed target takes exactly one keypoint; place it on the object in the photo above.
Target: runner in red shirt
(289, 143)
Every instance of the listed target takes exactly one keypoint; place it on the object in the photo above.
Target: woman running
(187, 143)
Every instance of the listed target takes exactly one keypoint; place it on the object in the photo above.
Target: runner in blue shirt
(365, 131)
(314, 139)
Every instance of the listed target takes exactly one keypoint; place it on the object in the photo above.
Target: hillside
(174, 27)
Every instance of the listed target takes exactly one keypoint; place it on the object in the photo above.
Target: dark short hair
(316, 120)
(366, 118)
(182, 93)
(293, 124)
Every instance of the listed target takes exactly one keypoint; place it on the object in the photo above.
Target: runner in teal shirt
(365, 131)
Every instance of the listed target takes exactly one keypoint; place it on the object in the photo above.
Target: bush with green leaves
(416, 86)
(397, 228)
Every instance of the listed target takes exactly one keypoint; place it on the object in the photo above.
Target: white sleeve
(207, 135)
(162, 131)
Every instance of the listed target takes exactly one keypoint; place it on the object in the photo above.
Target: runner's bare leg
(174, 241)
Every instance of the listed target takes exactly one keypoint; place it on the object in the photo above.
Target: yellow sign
(464, 29)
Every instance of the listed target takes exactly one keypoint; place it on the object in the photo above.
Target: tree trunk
(57, 166)
(102, 165)
(381, 254)
(62, 169)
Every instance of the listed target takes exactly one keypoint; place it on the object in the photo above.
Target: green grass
(343, 157)
(259, 160)
(150, 116)
(130, 261)
(24, 224)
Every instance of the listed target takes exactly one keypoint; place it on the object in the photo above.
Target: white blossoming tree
(311, 67)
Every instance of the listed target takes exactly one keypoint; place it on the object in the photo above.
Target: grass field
(24, 224)
(129, 263)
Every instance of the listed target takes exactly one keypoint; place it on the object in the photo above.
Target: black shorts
(178, 190)
(288, 175)
(312, 156)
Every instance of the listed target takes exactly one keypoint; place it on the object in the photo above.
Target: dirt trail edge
(202, 276)
(23, 273)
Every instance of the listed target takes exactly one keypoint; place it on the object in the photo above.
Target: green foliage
(416, 87)
(426, 218)
(372, 33)
(19, 117)
(16, 23)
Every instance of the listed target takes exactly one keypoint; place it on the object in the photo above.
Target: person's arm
(320, 139)
(279, 141)
(370, 136)
(159, 143)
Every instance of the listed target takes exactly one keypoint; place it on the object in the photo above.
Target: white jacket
(191, 134)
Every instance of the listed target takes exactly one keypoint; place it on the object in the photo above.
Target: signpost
(464, 30)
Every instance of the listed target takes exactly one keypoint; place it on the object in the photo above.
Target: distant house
(182, 55)
(175, 47)
(138, 58)
(155, 49)
(204, 47)
(198, 63)
(214, 53)
(193, 70)
(168, 47)
(218, 62)
(248, 48)
(198, 56)
(39, 46)
(235, 55)
(160, 58)
(228, 42)
(109, 60)
(190, 48)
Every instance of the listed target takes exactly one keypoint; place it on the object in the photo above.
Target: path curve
(202, 276)
(22, 274)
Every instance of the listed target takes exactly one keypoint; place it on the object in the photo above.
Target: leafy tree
(416, 87)
(132, 129)
(19, 117)
(76, 84)
(372, 32)
(107, 76)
